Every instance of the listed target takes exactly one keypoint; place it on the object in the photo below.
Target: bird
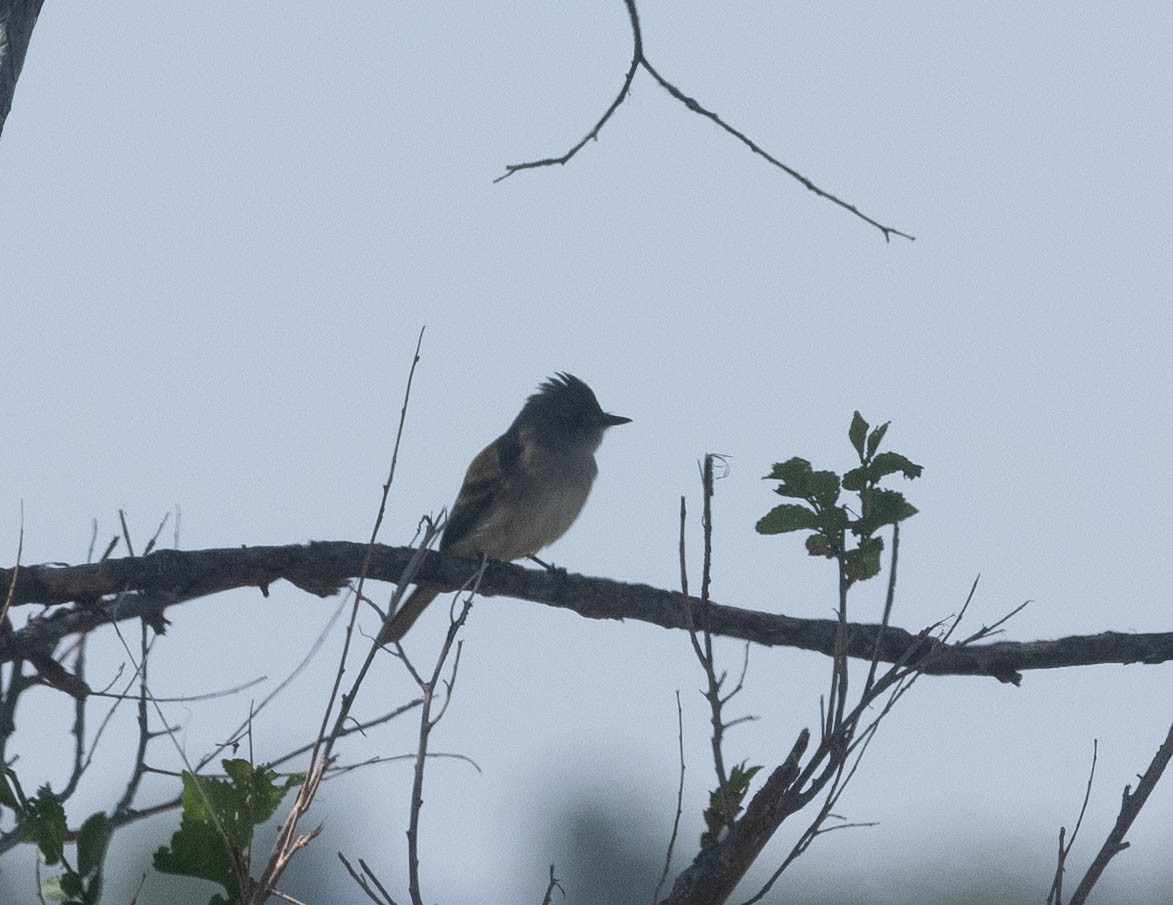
(525, 489)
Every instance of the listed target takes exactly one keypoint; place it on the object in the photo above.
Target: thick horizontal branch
(87, 596)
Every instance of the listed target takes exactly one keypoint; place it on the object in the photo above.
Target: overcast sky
(222, 227)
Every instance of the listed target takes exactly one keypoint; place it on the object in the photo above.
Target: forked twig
(551, 886)
(366, 881)
(1055, 896)
(427, 724)
(1130, 807)
(639, 59)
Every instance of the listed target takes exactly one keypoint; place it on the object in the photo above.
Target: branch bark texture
(17, 18)
(84, 597)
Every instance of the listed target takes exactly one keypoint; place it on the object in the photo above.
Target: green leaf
(198, 850)
(795, 477)
(717, 815)
(793, 469)
(91, 843)
(889, 463)
(883, 507)
(219, 816)
(823, 488)
(93, 890)
(834, 521)
(71, 884)
(800, 481)
(891, 506)
(821, 545)
(70, 889)
(863, 562)
(856, 479)
(45, 825)
(857, 432)
(876, 437)
(787, 517)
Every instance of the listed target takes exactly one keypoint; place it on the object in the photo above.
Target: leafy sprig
(834, 524)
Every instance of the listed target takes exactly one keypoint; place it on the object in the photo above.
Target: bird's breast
(538, 503)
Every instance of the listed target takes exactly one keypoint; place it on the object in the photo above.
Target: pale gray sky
(221, 228)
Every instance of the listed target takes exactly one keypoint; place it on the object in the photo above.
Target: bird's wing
(489, 472)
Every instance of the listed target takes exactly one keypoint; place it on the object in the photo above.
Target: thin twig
(713, 691)
(987, 630)
(679, 802)
(1055, 896)
(79, 726)
(155, 537)
(889, 601)
(887, 231)
(328, 741)
(282, 685)
(144, 737)
(321, 757)
(638, 59)
(144, 731)
(551, 886)
(288, 841)
(10, 594)
(1130, 806)
(125, 532)
(384, 898)
(844, 744)
(426, 725)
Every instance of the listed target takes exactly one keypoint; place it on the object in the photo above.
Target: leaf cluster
(215, 835)
(725, 802)
(44, 824)
(830, 521)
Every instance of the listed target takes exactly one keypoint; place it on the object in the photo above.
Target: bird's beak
(610, 420)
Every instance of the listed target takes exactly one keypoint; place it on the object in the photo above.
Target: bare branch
(713, 684)
(426, 725)
(378, 894)
(639, 59)
(170, 577)
(1055, 896)
(679, 801)
(889, 601)
(322, 756)
(718, 868)
(1130, 807)
(11, 592)
(551, 886)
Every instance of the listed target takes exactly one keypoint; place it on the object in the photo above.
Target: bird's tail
(409, 611)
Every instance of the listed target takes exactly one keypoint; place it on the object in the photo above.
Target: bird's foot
(548, 566)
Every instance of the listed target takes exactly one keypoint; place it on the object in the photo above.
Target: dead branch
(1055, 896)
(169, 577)
(719, 868)
(1130, 807)
(639, 60)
